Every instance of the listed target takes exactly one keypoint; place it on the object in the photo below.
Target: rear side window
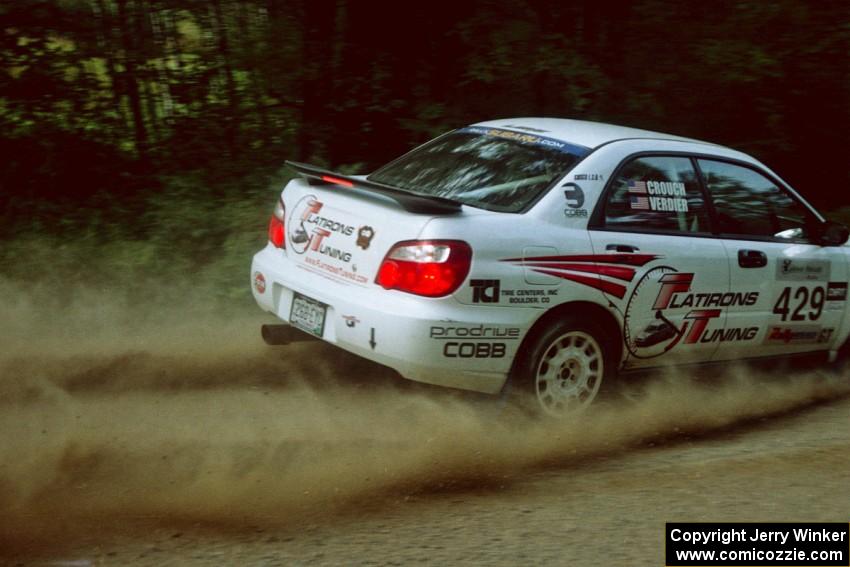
(748, 204)
(657, 194)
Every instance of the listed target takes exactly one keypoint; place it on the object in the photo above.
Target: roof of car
(583, 132)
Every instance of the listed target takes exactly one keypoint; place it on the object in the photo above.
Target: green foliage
(183, 242)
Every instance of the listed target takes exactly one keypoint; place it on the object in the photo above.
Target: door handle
(622, 248)
(752, 259)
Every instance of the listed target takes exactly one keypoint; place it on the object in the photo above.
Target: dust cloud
(111, 409)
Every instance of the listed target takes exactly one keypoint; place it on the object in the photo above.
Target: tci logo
(485, 291)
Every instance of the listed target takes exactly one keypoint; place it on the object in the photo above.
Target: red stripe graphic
(627, 259)
(600, 284)
(619, 272)
(599, 264)
(677, 278)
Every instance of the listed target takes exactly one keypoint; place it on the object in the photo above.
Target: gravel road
(208, 448)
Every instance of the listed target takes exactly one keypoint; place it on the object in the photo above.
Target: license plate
(308, 314)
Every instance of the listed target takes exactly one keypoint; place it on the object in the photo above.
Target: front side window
(489, 168)
(748, 204)
(657, 194)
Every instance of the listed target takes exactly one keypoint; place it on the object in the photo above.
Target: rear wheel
(568, 366)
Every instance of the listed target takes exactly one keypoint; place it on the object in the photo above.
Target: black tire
(567, 365)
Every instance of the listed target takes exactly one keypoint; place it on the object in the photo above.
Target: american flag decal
(639, 203)
(638, 187)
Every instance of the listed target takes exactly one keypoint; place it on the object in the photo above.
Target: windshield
(493, 169)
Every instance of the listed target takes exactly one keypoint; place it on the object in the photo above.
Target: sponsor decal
(452, 349)
(729, 299)
(588, 177)
(485, 291)
(338, 271)
(802, 270)
(528, 296)
(350, 321)
(574, 195)
(836, 295)
(489, 291)
(259, 282)
(474, 341)
(575, 201)
(440, 332)
(650, 329)
(801, 334)
(662, 289)
(365, 234)
(836, 291)
(526, 138)
(529, 139)
(308, 230)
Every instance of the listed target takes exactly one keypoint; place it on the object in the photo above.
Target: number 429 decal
(806, 304)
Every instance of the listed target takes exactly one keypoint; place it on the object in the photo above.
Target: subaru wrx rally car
(547, 256)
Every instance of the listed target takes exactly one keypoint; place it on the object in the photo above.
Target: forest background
(145, 138)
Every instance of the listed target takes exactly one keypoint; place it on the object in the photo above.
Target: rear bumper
(436, 341)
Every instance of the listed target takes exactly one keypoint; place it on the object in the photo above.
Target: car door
(666, 273)
(793, 290)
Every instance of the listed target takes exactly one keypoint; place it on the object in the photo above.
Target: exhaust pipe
(284, 335)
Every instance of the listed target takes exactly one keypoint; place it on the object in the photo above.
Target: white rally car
(547, 256)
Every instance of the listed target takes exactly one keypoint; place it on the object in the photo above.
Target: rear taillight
(432, 268)
(276, 228)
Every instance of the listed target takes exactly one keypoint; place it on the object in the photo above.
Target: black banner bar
(758, 544)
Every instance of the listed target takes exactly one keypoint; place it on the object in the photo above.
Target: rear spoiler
(411, 202)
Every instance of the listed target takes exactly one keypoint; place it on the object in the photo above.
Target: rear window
(488, 168)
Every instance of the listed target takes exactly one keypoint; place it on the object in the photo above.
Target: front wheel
(568, 366)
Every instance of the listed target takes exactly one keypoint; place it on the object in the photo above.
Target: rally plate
(308, 314)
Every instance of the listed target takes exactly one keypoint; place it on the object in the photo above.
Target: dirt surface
(186, 441)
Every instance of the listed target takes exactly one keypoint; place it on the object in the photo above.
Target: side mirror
(831, 233)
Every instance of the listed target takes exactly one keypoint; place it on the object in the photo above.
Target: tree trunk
(231, 121)
(317, 54)
(130, 80)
